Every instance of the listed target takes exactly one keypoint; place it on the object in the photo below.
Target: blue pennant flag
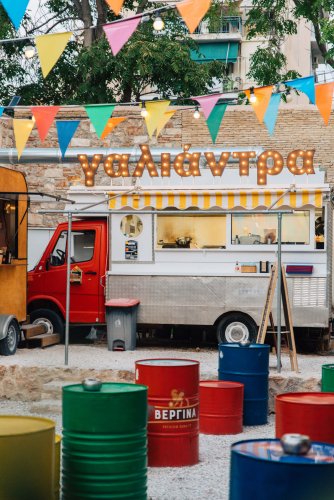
(306, 85)
(66, 130)
(2, 109)
(15, 10)
(271, 113)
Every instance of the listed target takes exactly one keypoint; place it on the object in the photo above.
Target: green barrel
(104, 445)
(327, 380)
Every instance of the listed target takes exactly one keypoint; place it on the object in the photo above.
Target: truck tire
(9, 344)
(53, 321)
(236, 327)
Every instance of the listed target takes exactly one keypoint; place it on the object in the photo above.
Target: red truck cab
(47, 281)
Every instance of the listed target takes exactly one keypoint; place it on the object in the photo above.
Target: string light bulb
(252, 97)
(144, 112)
(197, 114)
(29, 51)
(158, 24)
(288, 96)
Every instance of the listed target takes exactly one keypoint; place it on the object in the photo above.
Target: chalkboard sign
(131, 250)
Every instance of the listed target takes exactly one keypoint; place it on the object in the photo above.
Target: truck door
(85, 273)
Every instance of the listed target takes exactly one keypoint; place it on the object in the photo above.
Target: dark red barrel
(309, 413)
(220, 407)
(173, 410)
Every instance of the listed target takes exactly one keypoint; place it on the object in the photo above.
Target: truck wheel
(236, 328)
(52, 320)
(8, 345)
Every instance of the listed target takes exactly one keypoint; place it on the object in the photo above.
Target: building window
(191, 231)
(255, 229)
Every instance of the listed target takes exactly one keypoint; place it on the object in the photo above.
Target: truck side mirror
(47, 263)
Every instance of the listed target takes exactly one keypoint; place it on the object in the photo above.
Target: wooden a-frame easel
(267, 316)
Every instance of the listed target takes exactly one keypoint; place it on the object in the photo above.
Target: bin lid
(122, 302)
(271, 450)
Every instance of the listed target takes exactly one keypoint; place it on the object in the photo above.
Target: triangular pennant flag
(306, 85)
(272, 111)
(193, 11)
(111, 124)
(22, 131)
(156, 111)
(119, 33)
(2, 109)
(44, 116)
(263, 95)
(66, 130)
(50, 48)
(99, 116)
(115, 5)
(164, 120)
(324, 99)
(15, 10)
(215, 119)
(207, 103)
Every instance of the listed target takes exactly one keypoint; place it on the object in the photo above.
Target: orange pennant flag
(111, 124)
(263, 95)
(44, 116)
(193, 11)
(115, 5)
(324, 99)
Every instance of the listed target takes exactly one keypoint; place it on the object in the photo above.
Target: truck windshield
(83, 243)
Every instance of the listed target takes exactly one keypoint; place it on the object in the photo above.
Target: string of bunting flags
(265, 102)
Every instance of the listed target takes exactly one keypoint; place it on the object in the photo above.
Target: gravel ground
(208, 479)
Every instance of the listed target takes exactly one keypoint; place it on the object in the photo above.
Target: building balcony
(225, 29)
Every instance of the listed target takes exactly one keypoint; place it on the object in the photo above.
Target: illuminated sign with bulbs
(186, 164)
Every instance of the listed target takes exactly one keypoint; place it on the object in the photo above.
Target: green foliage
(87, 72)
(276, 19)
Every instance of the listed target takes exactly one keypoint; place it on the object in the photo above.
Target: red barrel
(173, 410)
(309, 413)
(220, 407)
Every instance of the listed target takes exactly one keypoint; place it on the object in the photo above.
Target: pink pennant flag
(118, 33)
(207, 103)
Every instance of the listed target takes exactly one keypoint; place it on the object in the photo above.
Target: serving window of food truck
(8, 228)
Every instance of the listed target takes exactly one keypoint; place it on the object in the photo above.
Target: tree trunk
(127, 93)
(87, 20)
(101, 17)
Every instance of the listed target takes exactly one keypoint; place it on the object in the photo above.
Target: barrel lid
(220, 384)
(330, 366)
(167, 362)
(271, 450)
(238, 345)
(317, 398)
(107, 388)
(14, 425)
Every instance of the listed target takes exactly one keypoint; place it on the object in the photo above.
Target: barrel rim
(52, 425)
(328, 365)
(226, 384)
(250, 346)
(135, 387)
(262, 459)
(322, 395)
(188, 362)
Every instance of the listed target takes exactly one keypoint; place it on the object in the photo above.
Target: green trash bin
(104, 452)
(327, 380)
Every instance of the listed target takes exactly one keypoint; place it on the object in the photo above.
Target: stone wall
(297, 127)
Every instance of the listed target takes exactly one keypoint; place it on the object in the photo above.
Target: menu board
(131, 250)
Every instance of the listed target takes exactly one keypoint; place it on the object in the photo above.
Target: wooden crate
(248, 269)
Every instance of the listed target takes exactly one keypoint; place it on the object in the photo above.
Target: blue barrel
(248, 365)
(262, 470)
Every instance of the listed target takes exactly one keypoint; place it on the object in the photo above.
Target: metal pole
(278, 289)
(68, 285)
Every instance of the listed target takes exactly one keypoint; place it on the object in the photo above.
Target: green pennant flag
(99, 116)
(215, 119)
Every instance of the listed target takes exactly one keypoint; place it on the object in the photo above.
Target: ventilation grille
(309, 292)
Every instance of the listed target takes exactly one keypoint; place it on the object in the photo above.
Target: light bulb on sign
(29, 51)
(197, 114)
(158, 24)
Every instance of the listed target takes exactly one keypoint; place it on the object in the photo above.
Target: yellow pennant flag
(164, 120)
(193, 11)
(50, 48)
(156, 111)
(22, 131)
(115, 5)
(263, 95)
(111, 124)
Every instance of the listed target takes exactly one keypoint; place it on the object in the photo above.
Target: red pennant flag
(44, 116)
